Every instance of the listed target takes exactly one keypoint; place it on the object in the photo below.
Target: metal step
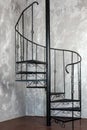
(64, 100)
(36, 87)
(31, 80)
(30, 72)
(64, 119)
(31, 62)
(53, 93)
(67, 109)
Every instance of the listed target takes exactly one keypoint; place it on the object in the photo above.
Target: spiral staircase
(30, 67)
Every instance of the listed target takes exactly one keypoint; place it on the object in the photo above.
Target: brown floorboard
(39, 123)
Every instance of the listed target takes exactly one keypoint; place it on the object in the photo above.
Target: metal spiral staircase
(63, 77)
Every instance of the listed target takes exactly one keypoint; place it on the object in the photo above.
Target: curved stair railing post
(55, 71)
(64, 71)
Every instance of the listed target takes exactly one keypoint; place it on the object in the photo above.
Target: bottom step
(65, 119)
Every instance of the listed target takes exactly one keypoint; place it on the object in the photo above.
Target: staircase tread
(65, 119)
(65, 100)
(30, 72)
(36, 87)
(31, 80)
(67, 109)
(31, 61)
(58, 93)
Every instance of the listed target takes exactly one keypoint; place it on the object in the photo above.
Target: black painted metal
(72, 109)
(31, 62)
(48, 63)
(64, 119)
(80, 90)
(42, 79)
(55, 71)
(23, 35)
(64, 100)
(32, 31)
(30, 72)
(64, 71)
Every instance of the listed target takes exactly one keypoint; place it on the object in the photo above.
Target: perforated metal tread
(31, 62)
(64, 100)
(67, 109)
(30, 72)
(31, 80)
(36, 87)
(53, 93)
(65, 119)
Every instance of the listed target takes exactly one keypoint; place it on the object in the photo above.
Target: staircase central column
(48, 62)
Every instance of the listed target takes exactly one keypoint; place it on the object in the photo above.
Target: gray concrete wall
(12, 94)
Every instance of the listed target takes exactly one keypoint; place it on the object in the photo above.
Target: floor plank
(39, 123)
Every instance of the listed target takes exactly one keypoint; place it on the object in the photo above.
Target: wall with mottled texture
(69, 31)
(12, 94)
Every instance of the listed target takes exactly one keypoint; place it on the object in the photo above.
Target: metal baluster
(15, 52)
(32, 31)
(26, 57)
(80, 87)
(36, 65)
(21, 54)
(72, 89)
(54, 70)
(17, 45)
(64, 71)
(80, 94)
(79, 84)
(23, 34)
(78, 76)
(44, 65)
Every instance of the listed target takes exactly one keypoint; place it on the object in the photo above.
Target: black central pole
(48, 64)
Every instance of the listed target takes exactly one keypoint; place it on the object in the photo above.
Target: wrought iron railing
(65, 64)
(63, 61)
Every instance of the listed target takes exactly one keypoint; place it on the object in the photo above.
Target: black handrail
(29, 40)
(53, 49)
(35, 2)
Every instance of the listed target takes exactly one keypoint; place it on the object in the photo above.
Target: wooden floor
(39, 123)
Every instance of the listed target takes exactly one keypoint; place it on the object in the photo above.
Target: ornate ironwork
(57, 77)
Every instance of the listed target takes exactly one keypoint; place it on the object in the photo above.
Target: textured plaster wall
(69, 31)
(12, 94)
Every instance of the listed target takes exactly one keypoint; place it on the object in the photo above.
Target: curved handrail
(28, 39)
(54, 49)
(35, 2)
(70, 63)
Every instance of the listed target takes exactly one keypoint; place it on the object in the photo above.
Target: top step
(31, 62)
